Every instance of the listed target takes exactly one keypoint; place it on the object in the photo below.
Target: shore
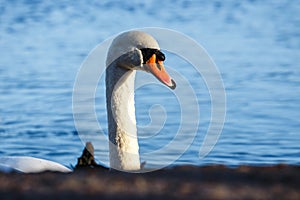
(184, 182)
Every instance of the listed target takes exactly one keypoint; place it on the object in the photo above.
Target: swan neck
(123, 141)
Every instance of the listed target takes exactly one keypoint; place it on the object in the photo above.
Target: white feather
(30, 165)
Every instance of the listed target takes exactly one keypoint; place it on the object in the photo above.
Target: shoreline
(180, 182)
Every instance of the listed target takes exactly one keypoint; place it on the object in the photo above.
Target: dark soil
(184, 182)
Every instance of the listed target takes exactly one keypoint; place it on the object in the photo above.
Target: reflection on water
(255, 45)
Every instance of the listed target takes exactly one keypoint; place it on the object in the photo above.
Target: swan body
(29, 165)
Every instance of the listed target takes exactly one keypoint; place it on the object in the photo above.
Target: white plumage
(30, 165)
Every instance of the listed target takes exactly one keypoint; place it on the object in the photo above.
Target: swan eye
(148, 53)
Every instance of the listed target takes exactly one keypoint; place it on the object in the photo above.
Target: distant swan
(130, 51)
(29, 165)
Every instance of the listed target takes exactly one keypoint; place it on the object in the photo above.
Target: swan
(128, 52)
(28, 164)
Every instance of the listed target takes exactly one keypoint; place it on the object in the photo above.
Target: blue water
(256, 46)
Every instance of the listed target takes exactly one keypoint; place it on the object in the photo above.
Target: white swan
(29, 165)
(130, 51)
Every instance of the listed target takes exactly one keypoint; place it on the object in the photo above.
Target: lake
(254, 44)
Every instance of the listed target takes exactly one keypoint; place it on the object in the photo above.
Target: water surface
(256, 46)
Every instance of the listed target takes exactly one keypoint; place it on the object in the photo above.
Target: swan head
(136, 50)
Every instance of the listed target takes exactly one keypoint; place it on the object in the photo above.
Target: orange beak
(158, 70)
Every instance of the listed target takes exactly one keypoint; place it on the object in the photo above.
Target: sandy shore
(185, 182)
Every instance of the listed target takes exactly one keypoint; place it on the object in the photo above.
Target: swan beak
(159, 71)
